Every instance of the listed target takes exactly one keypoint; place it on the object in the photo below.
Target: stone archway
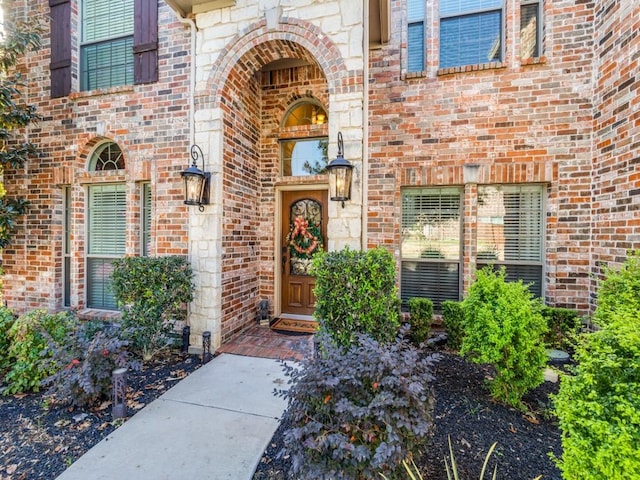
(234, 121)
(256, 93)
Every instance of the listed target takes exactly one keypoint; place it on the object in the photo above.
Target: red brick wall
(253, 107)
(149, 123)
(616, 181)
(529, 123)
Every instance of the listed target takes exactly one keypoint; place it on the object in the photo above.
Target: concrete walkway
(214, 424)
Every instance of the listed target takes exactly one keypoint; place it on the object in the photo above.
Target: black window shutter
(60, 48)
(145, 41)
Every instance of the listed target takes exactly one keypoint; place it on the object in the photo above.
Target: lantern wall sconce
(196, 181)
(340, 171)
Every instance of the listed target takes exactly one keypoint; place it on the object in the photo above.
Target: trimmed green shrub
(563, 325)
(29, 356)
(598, 408)
(619, 290)
(453, 321)
(358, 412)
(420, 316)
(7, 319)
(152, 292)
(504, 327)
(356, 293)
(85, 361)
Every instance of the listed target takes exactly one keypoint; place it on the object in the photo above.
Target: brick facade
(567, 119)
(150, 123)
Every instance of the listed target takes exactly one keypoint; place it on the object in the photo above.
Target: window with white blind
(431, 244)
(471, 32)
(511, 231)
(106, 241)
(106, 52)
(145, 234)
(530, 28)
(415, 35)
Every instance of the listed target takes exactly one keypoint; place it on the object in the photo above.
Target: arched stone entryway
(257, 77)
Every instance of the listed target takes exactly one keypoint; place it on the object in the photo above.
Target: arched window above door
(107, 156)
(304, 151)
(305, 113)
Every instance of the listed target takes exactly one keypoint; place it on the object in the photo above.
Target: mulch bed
(465, 412)
(39, 440)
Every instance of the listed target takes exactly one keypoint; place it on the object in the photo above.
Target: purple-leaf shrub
(85, 362)
(358, 412)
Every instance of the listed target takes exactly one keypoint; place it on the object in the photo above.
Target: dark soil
(39, 439)
(465, 413)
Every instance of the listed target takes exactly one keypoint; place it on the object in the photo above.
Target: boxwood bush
(358, 412)
(598, 407)
(356, 293)
(620, 289)
(453, 321)
(152, 292)
(504, 327)
(420, 316)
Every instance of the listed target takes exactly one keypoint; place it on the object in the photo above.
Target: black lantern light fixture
(196, 181)
(340, 171)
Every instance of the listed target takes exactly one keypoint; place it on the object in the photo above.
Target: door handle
(284, 259)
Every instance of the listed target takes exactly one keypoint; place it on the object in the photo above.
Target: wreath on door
(303, 239)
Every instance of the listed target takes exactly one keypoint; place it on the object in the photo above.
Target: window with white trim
(415, 35)
(471, 32)
(511, 231)
(431, 244)
(106, 52)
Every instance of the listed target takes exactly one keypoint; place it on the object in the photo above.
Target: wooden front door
(304, 227)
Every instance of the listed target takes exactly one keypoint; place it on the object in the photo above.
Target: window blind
(107, 220)
(99, 294)
(146, 219)
(511, 231)
(106, 19)
(415, 35)
(106, 241)
(471, 39)
(431, 244)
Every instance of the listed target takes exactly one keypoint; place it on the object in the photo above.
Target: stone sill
(533, 61)
(471, 68)
(99, 315)
(75, 96)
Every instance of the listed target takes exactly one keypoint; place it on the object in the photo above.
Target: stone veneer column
(224, 35)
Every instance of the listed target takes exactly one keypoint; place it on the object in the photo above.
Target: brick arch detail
(86, 151)
(253, 48)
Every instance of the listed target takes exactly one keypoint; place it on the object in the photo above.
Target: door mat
(292, 325)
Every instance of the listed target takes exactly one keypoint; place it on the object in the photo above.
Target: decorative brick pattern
(149, 123)
(568, 119)
(518, 123)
